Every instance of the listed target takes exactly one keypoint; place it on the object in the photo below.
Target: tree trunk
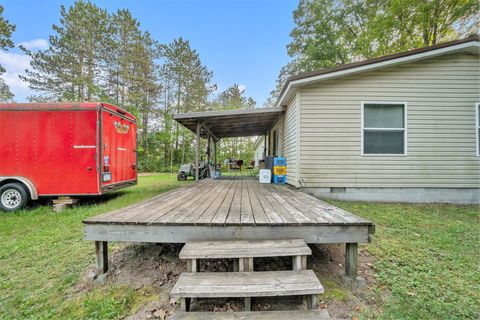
(146, 115)
(90, 66)
(171, 157)
(183, 147)
(178, 110)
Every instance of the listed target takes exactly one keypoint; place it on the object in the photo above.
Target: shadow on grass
(91, 200)
(82, 200)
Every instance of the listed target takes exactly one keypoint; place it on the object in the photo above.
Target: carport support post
(215, 155)
(209, 157)
(197, 151)
(351, 260)
(101, 256)
(264, 147)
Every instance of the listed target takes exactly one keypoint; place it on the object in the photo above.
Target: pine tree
(70, 68)
(235, 98)
(6, 30)
(5, 94)
(291, 68)
(94, 55)
(143, 85)
(190, 84)
(120, 62)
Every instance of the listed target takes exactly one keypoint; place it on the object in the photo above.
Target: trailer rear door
(118, 143)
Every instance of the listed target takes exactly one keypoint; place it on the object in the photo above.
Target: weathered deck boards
(244, 249)
(255, 315)
(231, 209)
(246, 284)
(231, 202)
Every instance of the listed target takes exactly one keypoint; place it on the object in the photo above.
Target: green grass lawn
(426, 255)
(43, 255)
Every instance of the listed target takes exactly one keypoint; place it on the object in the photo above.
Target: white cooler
(265, 176)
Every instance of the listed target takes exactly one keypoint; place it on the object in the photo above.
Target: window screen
(383, 116)
(383, 129)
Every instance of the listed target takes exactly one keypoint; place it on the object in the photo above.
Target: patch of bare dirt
(149, 266)
(343, 301)
(157, 266)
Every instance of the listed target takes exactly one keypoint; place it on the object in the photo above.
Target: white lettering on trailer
(83, 147)
(121, 149)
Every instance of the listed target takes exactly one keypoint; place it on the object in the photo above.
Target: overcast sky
(242, 41)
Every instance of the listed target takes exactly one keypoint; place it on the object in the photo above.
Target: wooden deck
(234, 209)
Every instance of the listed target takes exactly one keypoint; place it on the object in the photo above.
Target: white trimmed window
(477, 127)
(384, 128)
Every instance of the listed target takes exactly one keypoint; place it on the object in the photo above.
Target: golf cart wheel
(13, 196)
(182, 177)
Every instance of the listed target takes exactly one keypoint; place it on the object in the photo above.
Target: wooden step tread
(258, 315)
(246, 284)
(244, 249)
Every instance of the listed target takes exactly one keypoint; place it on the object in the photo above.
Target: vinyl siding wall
(440, 93)
(290, 141)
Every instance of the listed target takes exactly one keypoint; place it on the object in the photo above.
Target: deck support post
(192, 266)
(264, 146)
(209, 157)
(185, 304)
(267, 142)
(197, 151)
(248, 304)
(236, 265)
(246, 265)
(312, 302)
(299, 262)
(351, 260)
(215, 156)
(101, 256)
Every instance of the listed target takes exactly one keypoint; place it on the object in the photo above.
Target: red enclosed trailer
(64, 149)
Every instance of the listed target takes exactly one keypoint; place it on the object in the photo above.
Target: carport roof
(230, 123)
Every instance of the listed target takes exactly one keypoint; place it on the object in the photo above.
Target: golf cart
(188, 170)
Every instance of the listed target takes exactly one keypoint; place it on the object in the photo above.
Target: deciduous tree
(332, 32)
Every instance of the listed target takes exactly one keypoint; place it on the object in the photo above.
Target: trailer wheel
(182, 177)
(13, 196)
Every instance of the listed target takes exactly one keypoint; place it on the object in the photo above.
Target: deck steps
(244, 282)
(258, 315)
(244, 249)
